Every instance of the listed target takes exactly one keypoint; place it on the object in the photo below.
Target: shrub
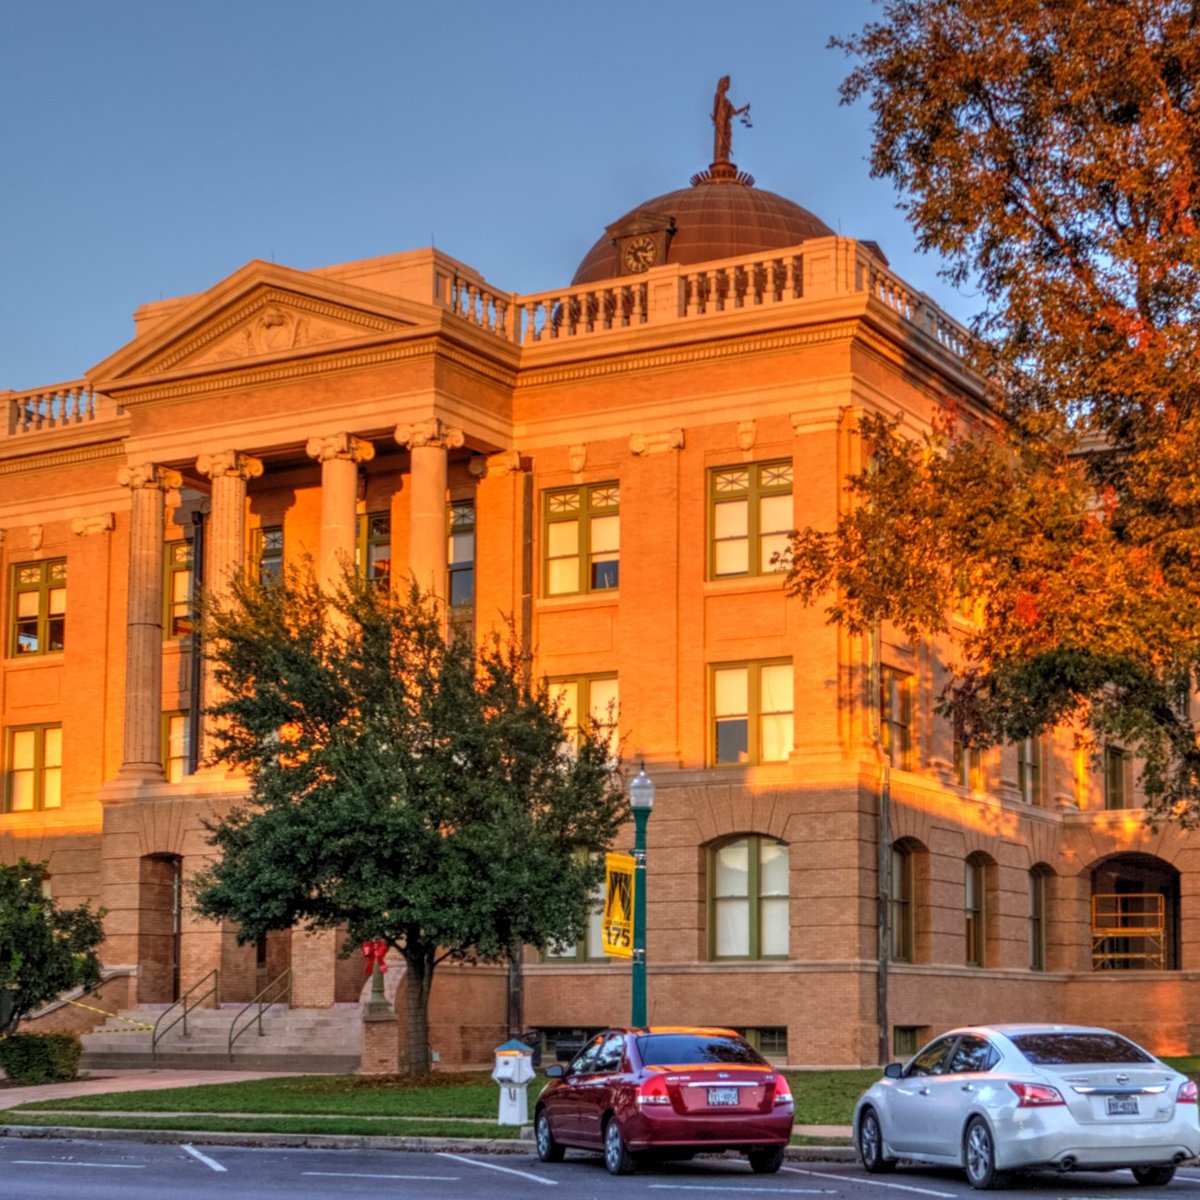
(40, 1057)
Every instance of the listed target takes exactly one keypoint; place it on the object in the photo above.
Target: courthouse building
(615, 463)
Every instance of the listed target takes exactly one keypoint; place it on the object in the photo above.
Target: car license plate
(719, 1096)
(1122, 1106)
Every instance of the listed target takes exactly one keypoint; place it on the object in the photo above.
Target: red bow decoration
(375, 952)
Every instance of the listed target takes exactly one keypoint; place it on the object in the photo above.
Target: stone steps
(313, 1040)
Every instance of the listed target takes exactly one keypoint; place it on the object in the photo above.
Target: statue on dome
(722, 118)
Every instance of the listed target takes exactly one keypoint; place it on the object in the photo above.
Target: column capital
(149, 475)
(99, 523)
(229, 462)
(340, 445)
(431, 433)
(656, 443)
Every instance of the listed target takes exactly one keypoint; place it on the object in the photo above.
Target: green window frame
(176, 746)
(596, 697)
(581, 539)
(750, 518)
(771, 1041)
(1030, 755)
(1037, 919)
(753, 712)
(178, 591)
(33, 757)
(590, 947)
(267, 553)
(901, 907)
(974, 911)
(895, 717)
(748, 898)
(373, 547)
(39, 608)
(460, 554)
(1118, 769)
(908, 1039)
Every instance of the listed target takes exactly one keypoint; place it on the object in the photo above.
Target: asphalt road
(50, 1169)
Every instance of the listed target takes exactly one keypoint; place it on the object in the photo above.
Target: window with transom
(34, 756)
(588, 701)
(581, 537)
(373, 551)
(460, 553)
(177, 744)
(177, 592)
(750, 519)
(39, 607)
(748, 898)
(753, 713)
(268, 553)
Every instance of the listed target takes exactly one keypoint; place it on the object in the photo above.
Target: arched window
(1135, 914)
(901, 904)
(974, 913)
(748, 898)
(1039, 884)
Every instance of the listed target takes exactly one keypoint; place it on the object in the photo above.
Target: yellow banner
(618, 905)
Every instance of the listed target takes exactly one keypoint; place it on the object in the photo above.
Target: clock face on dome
(640, 253)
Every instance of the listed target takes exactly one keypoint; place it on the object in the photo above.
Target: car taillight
(1036, 1095)
(783, 1093)
(653, 1091)
(1187, 1093)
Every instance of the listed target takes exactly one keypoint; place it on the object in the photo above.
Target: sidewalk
(134, 1080)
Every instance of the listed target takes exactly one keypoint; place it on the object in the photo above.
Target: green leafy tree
(1049, 150)
(44, 950)
(403, 786)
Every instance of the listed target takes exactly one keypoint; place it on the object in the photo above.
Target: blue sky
(151, 147)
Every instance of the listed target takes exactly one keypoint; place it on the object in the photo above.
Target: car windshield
(1054, 1049)
(658, 1049)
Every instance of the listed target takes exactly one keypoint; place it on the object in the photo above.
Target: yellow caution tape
(114, 1016)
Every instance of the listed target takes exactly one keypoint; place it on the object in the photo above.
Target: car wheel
(870, 1145)
(1154, 1176)
(548, 1149)
(766, 1161)
(979, 1156)
(617, 1158)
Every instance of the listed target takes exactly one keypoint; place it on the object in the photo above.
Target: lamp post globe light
(641, 801)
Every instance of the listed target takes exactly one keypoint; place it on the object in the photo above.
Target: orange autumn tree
(1049, 151)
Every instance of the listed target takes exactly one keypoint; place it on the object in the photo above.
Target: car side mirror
(894, 1071)
(555, 1071)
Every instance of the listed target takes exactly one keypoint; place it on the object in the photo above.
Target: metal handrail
(187, 1003)
(284, 983)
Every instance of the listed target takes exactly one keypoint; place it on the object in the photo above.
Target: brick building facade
(614, 463)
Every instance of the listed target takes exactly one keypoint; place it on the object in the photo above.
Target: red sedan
(667, 1093)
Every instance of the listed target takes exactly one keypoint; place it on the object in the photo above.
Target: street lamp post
(641, 801)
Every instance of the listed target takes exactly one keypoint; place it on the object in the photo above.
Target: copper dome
(714, 218)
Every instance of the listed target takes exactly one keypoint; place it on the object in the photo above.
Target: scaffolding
(1129, 931)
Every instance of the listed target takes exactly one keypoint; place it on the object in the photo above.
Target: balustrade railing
(52, 407)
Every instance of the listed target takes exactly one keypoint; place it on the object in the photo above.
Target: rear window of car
(660, 1049)
(1056, 1049)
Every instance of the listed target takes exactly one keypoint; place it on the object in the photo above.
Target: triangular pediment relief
(262, 311)
(642, 221)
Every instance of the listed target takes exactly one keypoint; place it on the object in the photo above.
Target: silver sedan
(994, 1098)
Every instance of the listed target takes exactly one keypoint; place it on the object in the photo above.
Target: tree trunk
(420, 962)
(516, 992)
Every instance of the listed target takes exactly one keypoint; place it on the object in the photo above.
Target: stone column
(224, 547)
(428, 442)
(339, 457)
(141, 758)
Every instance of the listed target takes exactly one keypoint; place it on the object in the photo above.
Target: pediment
(641, 221)
(262, 311)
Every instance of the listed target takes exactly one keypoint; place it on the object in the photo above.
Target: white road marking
(367, 1175)
(724, 1187)
(900, 1187)
(474, 1162)
(60, 1162)
(208, 1162)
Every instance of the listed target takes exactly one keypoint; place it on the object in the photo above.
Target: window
(581, 533)
(968, 767)
(972, 1053)
(769, 1040)
(748, 888)
(906, 1039)
(752, 713)
(1029, 769)
(39, 607)
(932, 1060)
(34, 768)
(268, 553)
(895, 716)
(460, 553)
(373, 552)
(901, 905)
(589, 947)
(1117, 771)
(595, 698)
(750, 518)
(973, 912)
(177, 745)
(1037, 919)
(177, 594)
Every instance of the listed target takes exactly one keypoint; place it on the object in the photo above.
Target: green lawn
(822, 1098)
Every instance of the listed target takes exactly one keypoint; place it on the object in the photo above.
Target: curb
(318, 1141)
